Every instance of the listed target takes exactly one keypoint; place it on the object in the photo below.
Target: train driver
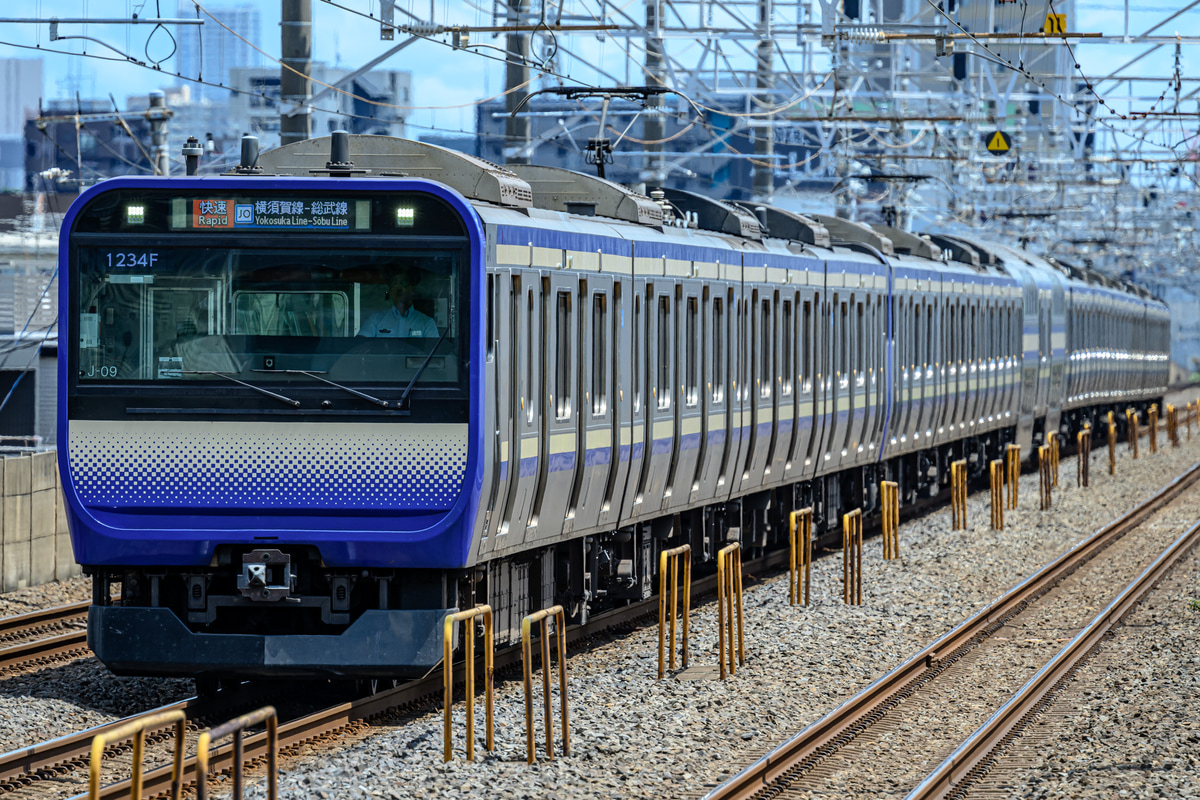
(402, 319)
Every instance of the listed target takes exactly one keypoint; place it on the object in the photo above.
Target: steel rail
(38, 650)
(974, 756)
(837, 728)
(47, 648)
(46, 759)
(34, 621)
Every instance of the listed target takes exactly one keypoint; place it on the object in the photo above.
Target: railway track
(866, 726)
(51, 760)
(43, 637)
(974, 758)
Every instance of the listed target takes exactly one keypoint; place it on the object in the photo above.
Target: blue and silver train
(308, 407)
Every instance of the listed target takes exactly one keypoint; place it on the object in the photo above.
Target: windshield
(268, 315)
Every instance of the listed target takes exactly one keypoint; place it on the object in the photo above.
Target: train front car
(268, 409)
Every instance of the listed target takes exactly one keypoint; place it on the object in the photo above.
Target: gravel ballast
(915, 737)
(58, 593)
(633, 736)
(1129, 724)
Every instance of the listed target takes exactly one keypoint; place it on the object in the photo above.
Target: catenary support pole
(295, 31)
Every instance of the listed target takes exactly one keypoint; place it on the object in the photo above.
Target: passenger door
(717, 339)
(526, 391)
(560, 403)
(660, 310)
(594, 461)
(689, 405)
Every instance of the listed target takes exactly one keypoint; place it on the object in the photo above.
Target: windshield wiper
(355, 392)
(228, 377)
(420, 369)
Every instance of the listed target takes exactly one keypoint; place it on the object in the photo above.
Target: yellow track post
(1083, 455)
(136, 729)
(671, 587)
(1044, 477)
(1053, 442)
(729, 597)
(1131, 418)
(543, 617)
(889, 495)
(958, 495)
(1112, 444)
(1152, 422)
(235, 728)
(800, 539)
(1012, 454)
(852, 557)
(489, 649)
(996, 469)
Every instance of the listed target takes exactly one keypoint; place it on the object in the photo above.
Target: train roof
(391, 157)
(789, 225)
(531, 187)
(714, 215)
(560, 189)
(847, 233)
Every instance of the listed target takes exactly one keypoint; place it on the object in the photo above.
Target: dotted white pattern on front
(262, 465)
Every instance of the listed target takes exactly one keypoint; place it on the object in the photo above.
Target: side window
(692, 378)
(766, 339)
(664, 352)
(740, 344)
(860, 342)
(806, 347)
(638, 333)
(529, 399)
(955, 342)
(918, 331)
(971, 332)
(840, 337)
(599, 355)
(562, 368)
(718, 350)
(930, 356)
(491, 317)
(962, 334)
(787, 367)
(618, 326)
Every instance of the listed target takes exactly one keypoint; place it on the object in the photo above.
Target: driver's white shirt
(391, 323)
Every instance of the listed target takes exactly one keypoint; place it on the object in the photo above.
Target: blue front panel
(384, 493)
(262, 466)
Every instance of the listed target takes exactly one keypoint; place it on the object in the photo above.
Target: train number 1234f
(132, 259)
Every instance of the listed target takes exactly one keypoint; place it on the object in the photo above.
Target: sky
(446, 82)
(442, 78)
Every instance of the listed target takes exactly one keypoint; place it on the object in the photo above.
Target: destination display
(228, 213)
(342, 210)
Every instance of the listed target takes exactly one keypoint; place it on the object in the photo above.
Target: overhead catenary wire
(876, 135)
(762, 113)
(1019, 70)
(381, 103)
(201, 8)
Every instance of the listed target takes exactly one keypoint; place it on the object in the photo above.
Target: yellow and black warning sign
(998, 143)
(1056, 24)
